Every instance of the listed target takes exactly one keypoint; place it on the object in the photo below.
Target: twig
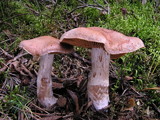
(81, 58)
(32, 10)
(5, 40)
(124, 92)
(6, 53)
(100, 5)
(108, 7)
(27, 71)
(55, 3)
(69, 115)
(97, 6)
(136, 92)
(156, 108)
(33, 114)
(78, 8)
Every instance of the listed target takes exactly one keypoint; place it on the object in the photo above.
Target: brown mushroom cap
(115, 43)
(83, 37)
(44, 45)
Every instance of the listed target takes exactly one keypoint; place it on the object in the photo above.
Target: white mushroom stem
(44, 81)
(98, 82)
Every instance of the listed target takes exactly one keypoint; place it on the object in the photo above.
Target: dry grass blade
(154, 88)
(11, 81)
(21, 116)
(6, 117)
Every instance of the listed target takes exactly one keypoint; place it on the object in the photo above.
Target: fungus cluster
(105, 44)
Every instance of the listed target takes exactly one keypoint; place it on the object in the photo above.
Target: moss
(141, 21)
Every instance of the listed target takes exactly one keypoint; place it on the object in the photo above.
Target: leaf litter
(70, 85)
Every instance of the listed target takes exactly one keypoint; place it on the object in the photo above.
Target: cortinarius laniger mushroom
(45, 47)
(105, 44)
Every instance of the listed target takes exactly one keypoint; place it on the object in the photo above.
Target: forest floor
(134, 79)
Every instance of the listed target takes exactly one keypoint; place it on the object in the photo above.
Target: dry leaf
(80, 78)
(16, 65)
(25, 81)
(62, 101)
(130, 104)
(148, 111)
(128, 78)
(56, 85)
(26, 71)
(75, 99)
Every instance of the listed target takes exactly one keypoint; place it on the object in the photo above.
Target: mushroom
(45, 47)
(106, 44)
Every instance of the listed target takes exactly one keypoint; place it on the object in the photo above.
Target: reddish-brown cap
(115, 43)
(44, 45)
(83, 37)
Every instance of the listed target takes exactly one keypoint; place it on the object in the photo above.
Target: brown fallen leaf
(130, 104)
(75, 99)
(8, 64)
(25, 81)
(26, 71)
(15, 64)
(56, 85)
(21, 69)
(62, 101)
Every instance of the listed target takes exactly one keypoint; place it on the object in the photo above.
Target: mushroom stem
(98, 82)
(44, 81)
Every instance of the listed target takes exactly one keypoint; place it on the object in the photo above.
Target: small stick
(6, 53)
